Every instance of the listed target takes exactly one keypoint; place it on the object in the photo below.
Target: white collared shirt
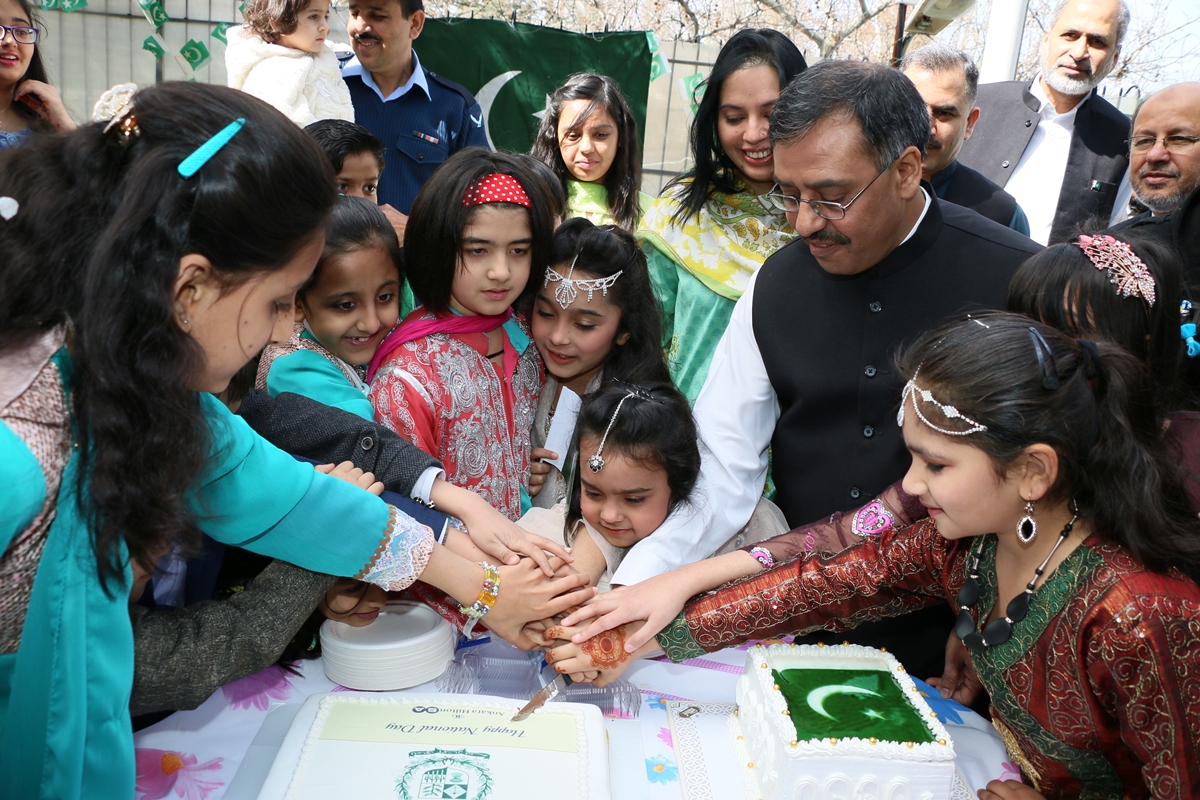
(355, 67)
(1037, 180)
(735, 414)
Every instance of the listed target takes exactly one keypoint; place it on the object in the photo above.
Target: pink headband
(496, 188)
(1126, 271)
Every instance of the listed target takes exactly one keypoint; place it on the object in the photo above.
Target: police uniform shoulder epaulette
(458, 88)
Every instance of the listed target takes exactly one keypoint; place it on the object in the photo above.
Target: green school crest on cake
(455, 774)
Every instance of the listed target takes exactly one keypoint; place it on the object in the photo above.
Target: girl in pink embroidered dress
(460, 376)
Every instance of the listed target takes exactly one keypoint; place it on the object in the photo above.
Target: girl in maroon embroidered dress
(1085, 629)
(460, 377)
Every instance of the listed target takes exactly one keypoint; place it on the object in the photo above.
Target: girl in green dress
(197, 214)
(589, 137)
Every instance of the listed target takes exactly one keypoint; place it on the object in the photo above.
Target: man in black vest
(805, 366)
(1054, 144)
(948, 81)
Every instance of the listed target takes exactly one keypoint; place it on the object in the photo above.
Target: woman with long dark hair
(30, 102)
(711, 229)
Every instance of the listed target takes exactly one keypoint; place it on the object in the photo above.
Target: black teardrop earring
(1027, 527)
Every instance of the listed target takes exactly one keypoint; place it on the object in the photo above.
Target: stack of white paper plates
(407, 644)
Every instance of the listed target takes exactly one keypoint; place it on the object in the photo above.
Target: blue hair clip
(1187, 331)
(200, 156)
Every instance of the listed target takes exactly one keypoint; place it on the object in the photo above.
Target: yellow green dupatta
(724, 244)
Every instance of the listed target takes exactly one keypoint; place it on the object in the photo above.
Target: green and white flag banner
(512, 69)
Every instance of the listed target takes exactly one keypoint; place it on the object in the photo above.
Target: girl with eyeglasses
(29, 102)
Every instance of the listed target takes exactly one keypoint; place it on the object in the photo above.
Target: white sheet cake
(820, 723)
(372, 747)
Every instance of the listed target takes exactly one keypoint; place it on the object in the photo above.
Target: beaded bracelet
(763, 556)
(487, 597)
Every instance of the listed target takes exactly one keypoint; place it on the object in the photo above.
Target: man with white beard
(1054, 144)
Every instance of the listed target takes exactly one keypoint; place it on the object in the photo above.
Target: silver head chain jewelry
(919, 394)
(596, 462)
(569, 287)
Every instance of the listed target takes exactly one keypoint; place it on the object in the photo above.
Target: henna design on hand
(607, 649)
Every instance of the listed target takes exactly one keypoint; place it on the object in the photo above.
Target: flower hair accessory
(569, 287)
(496, 188)
(115, 107)
(1126, 271)
(950, 412)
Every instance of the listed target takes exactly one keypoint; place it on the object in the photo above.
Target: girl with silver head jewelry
(1100, 619)
(593, 319)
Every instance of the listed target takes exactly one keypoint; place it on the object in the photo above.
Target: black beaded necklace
(997, 631)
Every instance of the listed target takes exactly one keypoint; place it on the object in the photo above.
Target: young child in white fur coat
(280, 55)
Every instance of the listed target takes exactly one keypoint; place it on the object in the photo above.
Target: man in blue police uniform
(420, 117)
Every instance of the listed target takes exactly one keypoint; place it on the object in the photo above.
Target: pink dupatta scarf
(420, 328)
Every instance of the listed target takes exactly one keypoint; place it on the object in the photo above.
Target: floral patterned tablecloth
(194, 755)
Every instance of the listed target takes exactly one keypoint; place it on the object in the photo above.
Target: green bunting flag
(156, 15)
(658, 62)
(218, 32)
(49, 5)
(71, 5)
(513, 69)
(691, 87)
(155, 45)
(195, 53)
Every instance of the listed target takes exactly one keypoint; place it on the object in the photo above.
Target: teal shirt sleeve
(24, 486)
(258, 497)
(317, 378)
(1020, 222)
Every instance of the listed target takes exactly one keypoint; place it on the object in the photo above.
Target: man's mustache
(933, 144)
(365, 37)
(1084, 67)
(827, 236)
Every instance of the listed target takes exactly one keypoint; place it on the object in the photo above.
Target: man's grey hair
(1122, 17)
(938, 57)
(885, 104)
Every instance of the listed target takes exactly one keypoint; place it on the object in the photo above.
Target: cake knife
(545, 694)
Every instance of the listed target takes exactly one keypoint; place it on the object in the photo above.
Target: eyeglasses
(824, 209)
(20, 33)
(1174, 144)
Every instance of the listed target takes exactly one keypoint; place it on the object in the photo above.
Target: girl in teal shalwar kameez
(184, 278)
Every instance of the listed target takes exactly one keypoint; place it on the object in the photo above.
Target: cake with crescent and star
(837, 722)
(395, 747)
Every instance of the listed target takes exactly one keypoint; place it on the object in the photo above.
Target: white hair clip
(950, 412)
(569, 288)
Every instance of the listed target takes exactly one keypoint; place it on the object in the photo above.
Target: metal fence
(104, 42)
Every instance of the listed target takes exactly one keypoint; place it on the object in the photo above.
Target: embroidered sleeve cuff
(402, 555)
(677, 642)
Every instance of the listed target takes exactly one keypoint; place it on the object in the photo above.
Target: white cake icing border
(758, 659)
(584, 782)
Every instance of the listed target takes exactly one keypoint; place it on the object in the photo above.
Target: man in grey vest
(1053, 143)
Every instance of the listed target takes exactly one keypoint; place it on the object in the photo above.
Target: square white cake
(821, 722)
(372, 746)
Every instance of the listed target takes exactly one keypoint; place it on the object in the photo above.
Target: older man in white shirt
(1054, 144)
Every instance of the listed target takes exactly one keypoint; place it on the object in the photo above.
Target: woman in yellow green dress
(712, 228)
